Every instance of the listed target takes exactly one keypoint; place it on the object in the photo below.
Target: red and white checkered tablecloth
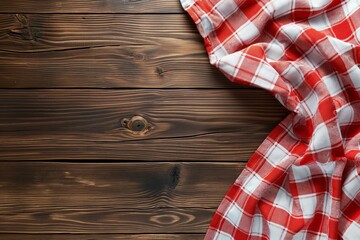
(303, 181)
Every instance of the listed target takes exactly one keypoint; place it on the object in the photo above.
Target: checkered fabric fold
(303, 181)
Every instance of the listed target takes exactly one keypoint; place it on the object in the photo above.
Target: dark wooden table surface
(113, 125)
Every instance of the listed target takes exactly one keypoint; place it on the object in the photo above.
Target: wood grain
(123, 185)
(112, 197)
(105, 220)
(104, 51)
(90, 6)
(138, 136)
(189, 125)
(102, 237)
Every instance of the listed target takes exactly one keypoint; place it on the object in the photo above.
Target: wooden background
(114, 125)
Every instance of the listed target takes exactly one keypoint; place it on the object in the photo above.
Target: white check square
(320, 140)
(275, 50)
(300, 173)
(316, 4)
(354, 74)
(247, 32)
(294, 75)
(332, 84)
(352, 232)
(340, 47)
(223, 236)
(292, 31)
(265, 76)
(234, 214)
(276, 153)
(320, 22)
(351, 186)
(350, 6)
(257, 224)
(284, 200)
(308, 205)
(276, 231)
(282, 7)
(327, 168)
(311, 103)
(231, 63)
(220, 51)
(226, 8)
(206, 25)
(346, 115)
(357, 34)
(327, 204)
(252, 182)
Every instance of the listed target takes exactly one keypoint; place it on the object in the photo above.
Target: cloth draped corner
(303, 181)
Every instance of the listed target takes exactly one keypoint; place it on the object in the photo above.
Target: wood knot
(160, 71)
(174, 177)
(165, 219)
(136, 124)
(23, 30)
(23, 19)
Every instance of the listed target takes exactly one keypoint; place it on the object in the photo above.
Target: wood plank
(104, 51)
(102, 237)
(126, 185)
(90, 6)
(105, 220)
(226, 125)
(41, 197)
